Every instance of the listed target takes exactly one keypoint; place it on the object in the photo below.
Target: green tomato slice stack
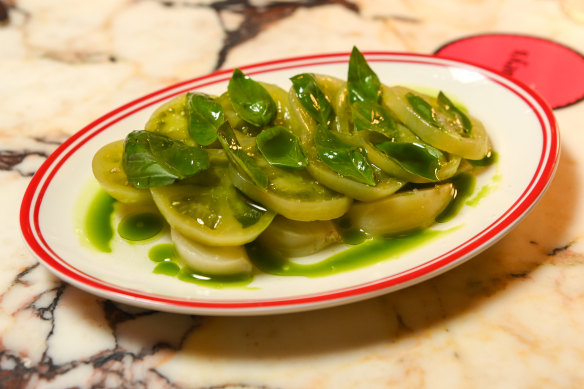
(210, 210)
(307, 127)
(294, 194)
(436, 125)
(400, 135)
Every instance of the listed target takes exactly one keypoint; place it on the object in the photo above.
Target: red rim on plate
(34, 234)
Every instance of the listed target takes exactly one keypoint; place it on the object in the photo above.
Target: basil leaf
(239, 158)
(251, 101)
(236, 122)
(418, 158)
(449, 107)
(281, 148)
(204, 116)
(422, 108)
(373, 117)
(153, 159)
(312, 99)
(362, 82)
(347, 160)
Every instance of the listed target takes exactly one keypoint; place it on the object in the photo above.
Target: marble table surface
(512, 317)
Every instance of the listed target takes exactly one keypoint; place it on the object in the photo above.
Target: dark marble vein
(4, 16)
(9, 159)
(255, 18)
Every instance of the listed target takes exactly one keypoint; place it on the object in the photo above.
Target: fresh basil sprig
(453, 110)
(347, 160)
(417, 158)
(362, 82)
(152, 159)
(250, 100)
(239, 158)
(204, 116)
(281, 148)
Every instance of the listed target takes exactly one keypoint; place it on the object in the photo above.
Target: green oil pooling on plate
(367, 253)
(167, 259)
(140, 226)
(464, 186)
(163, 252)
(214, 281)
(98, 226)
(169, 263)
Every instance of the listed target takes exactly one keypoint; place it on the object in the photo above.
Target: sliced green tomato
(448, 165)
(442, 132)
(171, 119)
(292, 238)
(305, 127)
(294, 194)
(280, 97)
(107, 169)
(233, 118)
(386, 184)
(343, 126)
(211, 260)
(401, 212)
(208, 209)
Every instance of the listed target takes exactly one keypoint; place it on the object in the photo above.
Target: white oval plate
(521, 126)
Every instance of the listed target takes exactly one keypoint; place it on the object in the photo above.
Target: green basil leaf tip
(204, 116)
(151, 159)
(448, 106)
(417, 158)
(239, 159)
(313, 99)
(281, 148)
(250, 100)
(362, 82)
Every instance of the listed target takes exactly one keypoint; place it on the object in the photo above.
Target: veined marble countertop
(512, 317)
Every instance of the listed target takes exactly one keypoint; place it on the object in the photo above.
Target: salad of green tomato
(292, 169)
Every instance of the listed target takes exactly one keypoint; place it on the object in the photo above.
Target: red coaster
(554, 71)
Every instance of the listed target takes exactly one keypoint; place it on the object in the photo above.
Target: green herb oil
(464, 186)
(365, 254)
(98, 226)
(140, 226)
(169, 263)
